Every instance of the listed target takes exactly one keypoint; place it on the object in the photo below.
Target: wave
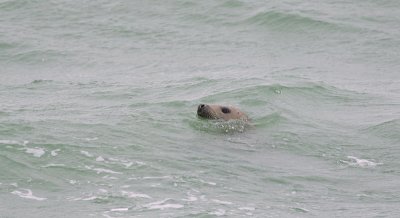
(288, 21)
(232, 4)
(259, 94)
(12, 5)
(35, 56)
(237, 13)
(389, 130)
(7, 45)
(272, 119)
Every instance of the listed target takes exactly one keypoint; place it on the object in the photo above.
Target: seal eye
(225, 110)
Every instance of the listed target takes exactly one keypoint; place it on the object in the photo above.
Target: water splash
(358, 162)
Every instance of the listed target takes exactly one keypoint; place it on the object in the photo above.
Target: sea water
(98, 107)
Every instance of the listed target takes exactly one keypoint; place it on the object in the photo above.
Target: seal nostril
(225, 110)
(200, 108)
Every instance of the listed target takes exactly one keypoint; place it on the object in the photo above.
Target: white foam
(219, 212)
(88, 198)
(119, 209)
(105, 214)
(159, 205)
(221, 202)
(127, 165)
(91, 139)
(203, 198)
(102, 170)
(195, 190)
(110, 177)
(37, 152)
(301, 209)
(14, 142)
(99, 159)
(247, 208)
(53, 165)
(103, 190)
(114, 159)
(27, 193)
(157, 202)
(157, 177)
(54, 152)
(134, 195)
(190, 199)
(166, 206)
(86, 153)
(209, 183)
(10, 142)
(140, 163)
(355, 161)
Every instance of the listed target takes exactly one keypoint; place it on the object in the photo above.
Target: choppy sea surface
(98, 108)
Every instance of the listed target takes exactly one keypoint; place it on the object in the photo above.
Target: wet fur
(214, 111)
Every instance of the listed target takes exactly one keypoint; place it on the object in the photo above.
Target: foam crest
(9, 142)
(161, 205)
(14, 142)
(219, 212)
(119, 209)
(99, 159)
(55, 152)
(102, 170)
(53, 165)
(37, 152)
(89, 198)
(86, 153)
(27, 193)
(358, 162)
(247, 208)
(222, 202)
(207, 182)
(190, 199)
(134, 195)
(91, 139)
(126, 163)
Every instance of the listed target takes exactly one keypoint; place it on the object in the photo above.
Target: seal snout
(200, 108)
(203, 111)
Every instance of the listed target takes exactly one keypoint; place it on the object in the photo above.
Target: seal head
(213, 111)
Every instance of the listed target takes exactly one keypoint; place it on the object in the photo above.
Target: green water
(99, 98)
